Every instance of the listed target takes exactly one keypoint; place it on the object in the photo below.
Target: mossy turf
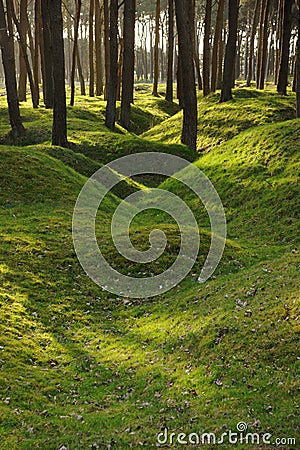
(82, 368)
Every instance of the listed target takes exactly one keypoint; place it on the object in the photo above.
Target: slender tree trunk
(106, 46)
(80, 73)
(120, 66)
(10, 27)
(183, 18)
(278, 41)
(156, 43)
(226, 93)
(59, 128)
(196, 47)
(74, 53)
(297, 86)
(179, 82)
(216, 44)
(252, 42)
(110, 119)
(22, 64)
(285, 51)
(220, 62)
(37, 35)
(263, 64)
(128, 63)
(169, 90)
(47, 55)
(10, 76)
(34, 94)
(206, 48)
(91, 48)
(98, 48)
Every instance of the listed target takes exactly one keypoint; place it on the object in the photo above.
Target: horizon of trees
(104, 46)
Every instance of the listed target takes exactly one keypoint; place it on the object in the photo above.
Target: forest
(149, 224)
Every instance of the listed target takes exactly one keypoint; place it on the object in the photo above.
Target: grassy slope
(82, 367)
(219, 122)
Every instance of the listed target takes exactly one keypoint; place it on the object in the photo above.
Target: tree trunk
(297, 86)
(252, 41)
(120, 66)
(183, 18)
(98, 48)
(10, 76)
(106, 46)
(220, 62)
(264, 46)
(59, 128)
(74, 53)
(91, 49)
(196, 47)
(206, 48)
(47, 55)
(22, 64)
(278, 41)
(169, 90)
(216, 44)
(226, 93)
(80, 74)
(110, 119)
(37, 37)
(34, 94)
(128, 62)
(285, 49)
(156, 43)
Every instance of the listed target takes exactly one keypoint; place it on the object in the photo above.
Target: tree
(59, 127)
(74, 53)
(23, 28)
(98, 30)
(252, 42)
(298, 65)
(263, 43)
(169, 89)
(110, 118)
(17, 128)
(47, 55)
(206, 48)
(216, 44)
(25, 59)
(183, 10)
(128, 62)
(285, 49)
(106, 46)
(226, 93)
(91, 48)
(156, 43)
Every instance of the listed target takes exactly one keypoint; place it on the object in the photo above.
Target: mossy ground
(86, 369)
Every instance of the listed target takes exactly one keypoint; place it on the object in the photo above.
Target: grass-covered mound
(257, 177)
(218, 122)
(82, 368)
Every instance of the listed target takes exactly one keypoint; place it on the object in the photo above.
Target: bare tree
(10, 76)
(169, 89)
(183, 10)
(128, 62)
(285, 49)
(216, 44)
(110, 118)
(233, 10)
(59, 127)
(74, 53)
(156, 43)
(206, 48)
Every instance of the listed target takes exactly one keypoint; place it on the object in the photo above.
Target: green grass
(219, 122)
(82, 368)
